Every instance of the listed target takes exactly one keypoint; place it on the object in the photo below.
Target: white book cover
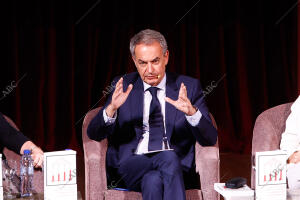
(270, 177)
(60, 179)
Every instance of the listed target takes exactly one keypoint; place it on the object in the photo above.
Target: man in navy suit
(152, 120)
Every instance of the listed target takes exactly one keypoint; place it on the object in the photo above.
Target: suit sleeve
(204, 132)
(98, 129)
(10, 137)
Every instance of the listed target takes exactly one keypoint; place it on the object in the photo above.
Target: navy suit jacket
(124, 135)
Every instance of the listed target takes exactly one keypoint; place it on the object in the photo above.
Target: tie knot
(153, 91)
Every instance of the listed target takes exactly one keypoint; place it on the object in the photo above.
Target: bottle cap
(27, 152)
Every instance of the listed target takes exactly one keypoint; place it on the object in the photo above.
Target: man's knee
(170, 158)
(153, 180)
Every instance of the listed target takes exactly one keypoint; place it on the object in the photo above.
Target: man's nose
(149, 68)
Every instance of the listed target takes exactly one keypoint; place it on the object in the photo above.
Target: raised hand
(118, 98)
(182, 103)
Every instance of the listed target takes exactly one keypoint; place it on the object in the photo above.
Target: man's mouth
(151, 77)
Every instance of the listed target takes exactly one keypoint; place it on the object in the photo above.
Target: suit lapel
(171, 111)
(136, 106)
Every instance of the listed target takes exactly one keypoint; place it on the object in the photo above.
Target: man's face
(151, 62)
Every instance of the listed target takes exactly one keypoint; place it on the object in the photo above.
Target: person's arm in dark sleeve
(10, 137)
(17, 142)
(203, 129)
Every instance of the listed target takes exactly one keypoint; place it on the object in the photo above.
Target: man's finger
(119, 82)
(183, 98)
(119, 89)
(171, 101)
(40, 163)
(129, 88)
(36, 161)
(181, 90)
(184, 90)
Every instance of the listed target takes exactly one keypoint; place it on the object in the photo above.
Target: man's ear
(134, 60)
(167, 57)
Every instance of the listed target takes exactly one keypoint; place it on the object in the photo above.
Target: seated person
(290, 142)
(17, 142)
(152, 121)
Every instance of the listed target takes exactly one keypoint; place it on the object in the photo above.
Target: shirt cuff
(194, 119)
(109, 120)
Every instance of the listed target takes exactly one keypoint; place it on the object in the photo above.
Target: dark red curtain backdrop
(59, 58)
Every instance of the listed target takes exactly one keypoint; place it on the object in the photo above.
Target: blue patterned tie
(156, 123)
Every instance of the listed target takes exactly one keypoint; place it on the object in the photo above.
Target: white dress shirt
(142, 147)
(290, 139)
(290, 142)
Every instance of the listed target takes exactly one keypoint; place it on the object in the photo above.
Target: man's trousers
(158, 176)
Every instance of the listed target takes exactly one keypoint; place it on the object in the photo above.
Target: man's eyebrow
(155, 59)
(141, 60)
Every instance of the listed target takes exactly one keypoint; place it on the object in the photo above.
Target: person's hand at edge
(294, 158)
(36, 153)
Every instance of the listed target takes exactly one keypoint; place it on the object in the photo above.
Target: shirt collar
(161, 85)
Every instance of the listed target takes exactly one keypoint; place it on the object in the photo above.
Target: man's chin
(152, 82)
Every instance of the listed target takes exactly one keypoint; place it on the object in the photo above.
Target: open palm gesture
(182, 103)
(118, 98)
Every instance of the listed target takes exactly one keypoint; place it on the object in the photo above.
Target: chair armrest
(208, 166)
(264, 139)
(94, 162)
(95, 169)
